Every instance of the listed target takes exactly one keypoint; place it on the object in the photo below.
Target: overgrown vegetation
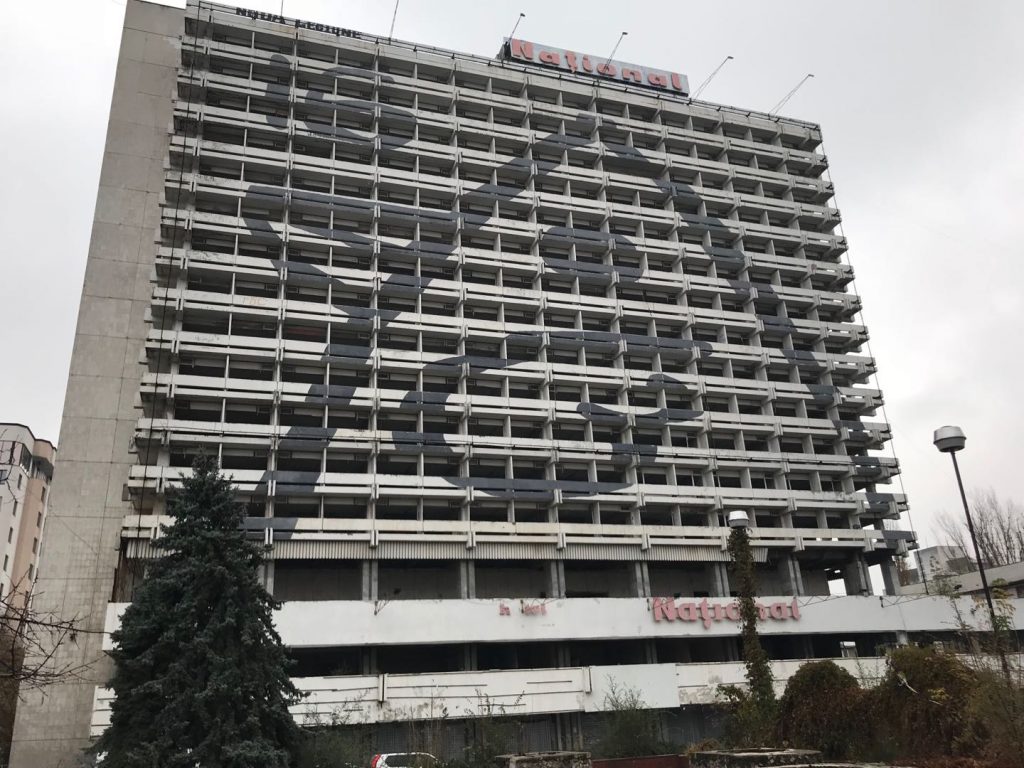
(822, 708)
(753, 708)
(631, 728)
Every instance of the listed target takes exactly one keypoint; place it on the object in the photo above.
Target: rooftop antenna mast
(394, 15)
(513, 32)
(610, 58)
(709, 78)
(789, 95)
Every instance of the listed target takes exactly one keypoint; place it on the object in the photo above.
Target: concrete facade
(88, 502)
(470, 335)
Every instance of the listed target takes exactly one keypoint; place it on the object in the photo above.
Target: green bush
(999, 704)
(631, 729)
(822, 709)
(923, 706)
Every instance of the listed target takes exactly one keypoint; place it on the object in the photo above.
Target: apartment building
(26, 469)
(491, 346)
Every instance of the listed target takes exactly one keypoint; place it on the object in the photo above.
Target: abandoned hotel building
(491, 347)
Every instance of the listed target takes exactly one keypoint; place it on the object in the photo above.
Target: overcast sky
(922, 109)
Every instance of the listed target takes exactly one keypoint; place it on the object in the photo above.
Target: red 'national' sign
(581, 62)
(670, 609)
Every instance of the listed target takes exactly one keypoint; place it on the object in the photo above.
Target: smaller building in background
(935, 563)
(26, 468)
(945, 569)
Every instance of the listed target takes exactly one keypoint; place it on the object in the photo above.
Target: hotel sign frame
(623, 72)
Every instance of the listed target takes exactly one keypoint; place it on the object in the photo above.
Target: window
(10, 535)
(6, 559)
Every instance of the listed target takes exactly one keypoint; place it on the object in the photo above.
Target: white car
(404, 760)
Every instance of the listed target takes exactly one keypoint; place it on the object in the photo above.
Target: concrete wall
(362, 622)
(384, 698)
(77, 573)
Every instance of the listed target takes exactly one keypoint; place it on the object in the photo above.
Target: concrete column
(790, 576)
(467, 579)
(890, 577)
(267, 575)
(856, 578)
(806, 647)
(641, 580)
(719, 579)
(369, 580)
(556, 570)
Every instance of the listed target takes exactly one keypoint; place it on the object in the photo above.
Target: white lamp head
(949, 439)
(739, 519)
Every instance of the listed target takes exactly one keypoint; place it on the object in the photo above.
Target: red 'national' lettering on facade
(670, 609)
(577, 62)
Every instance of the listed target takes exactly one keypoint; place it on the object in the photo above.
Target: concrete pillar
(369, 580)
(467, 579)
(890, 577)
(556, 570)
(641, 580)
(856, 578)
(267, 575)
(719, 579)
(806, 647)
(790, 576)
(369, 659)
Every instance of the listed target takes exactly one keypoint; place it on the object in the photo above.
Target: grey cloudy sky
(922, 108)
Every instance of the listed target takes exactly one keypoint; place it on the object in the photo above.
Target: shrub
(923, 705)
(822, 709)
(631, 729)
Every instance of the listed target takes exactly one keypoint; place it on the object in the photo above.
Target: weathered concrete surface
(76, 573)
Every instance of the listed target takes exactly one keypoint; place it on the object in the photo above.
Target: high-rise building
(26, 469)
(491, 347)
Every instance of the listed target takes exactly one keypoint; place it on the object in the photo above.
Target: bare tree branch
(998, 524)
(31, 641)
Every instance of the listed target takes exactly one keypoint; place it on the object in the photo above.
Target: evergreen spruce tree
(200, 677)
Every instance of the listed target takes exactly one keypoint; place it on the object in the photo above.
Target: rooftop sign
(632, 74)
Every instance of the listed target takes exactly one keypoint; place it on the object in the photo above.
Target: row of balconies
(244, 422)
(518, 312)
(488, 491)
(374, 96)
(359, 333)
(466, 70)
(738, 376)
(677, 170)
(732, 272)
(457, 288)
(262, 215)
(512, 214)
(380, 451)
(571, 399)
(609, 387)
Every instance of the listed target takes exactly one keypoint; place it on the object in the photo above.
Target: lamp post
(950, 439)
(758, 668)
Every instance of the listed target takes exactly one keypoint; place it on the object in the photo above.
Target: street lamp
(950, 439)
(739, 519)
